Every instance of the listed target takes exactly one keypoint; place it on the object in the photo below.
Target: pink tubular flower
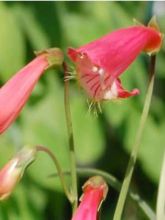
(101, 62)
(12, 172)
(14, 94)
(94, 192)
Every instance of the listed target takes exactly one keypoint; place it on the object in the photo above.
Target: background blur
(102, 142)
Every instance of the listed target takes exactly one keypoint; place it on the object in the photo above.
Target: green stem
(133, 157)
(71, 139)
(59, 170)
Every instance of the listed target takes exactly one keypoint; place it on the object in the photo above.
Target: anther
(101, 71)
(95, 69)
(81, 55)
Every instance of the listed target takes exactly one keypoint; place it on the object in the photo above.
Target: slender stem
(59, 170)
(71, 139)
(133, 157)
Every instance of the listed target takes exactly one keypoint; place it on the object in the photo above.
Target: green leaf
(89, 138)
(30, 200)
(12, 48)
(31, 27)
(161, 194)
(92, 23)
(151, 149)
(6, 149)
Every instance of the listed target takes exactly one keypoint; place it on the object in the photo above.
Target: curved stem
(133, 157)
(59, 170)
(71, 139)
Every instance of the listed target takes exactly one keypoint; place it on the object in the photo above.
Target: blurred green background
(102, 142)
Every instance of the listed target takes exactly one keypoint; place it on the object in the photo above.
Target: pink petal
(14, 94)
(88, 207)
(117, 91)
(95, 191)
(100, 62)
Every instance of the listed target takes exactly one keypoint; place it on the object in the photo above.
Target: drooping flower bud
(94, 192)
(12, 172)
(14, 94)
(100, 63)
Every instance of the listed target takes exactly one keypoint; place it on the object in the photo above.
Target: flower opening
(100, 63)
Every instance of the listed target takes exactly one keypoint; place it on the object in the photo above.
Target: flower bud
(15, 93)
(94, 192)
(12, 172)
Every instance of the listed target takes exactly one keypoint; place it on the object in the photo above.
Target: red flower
(101, 62)
(14, 94)
(95, 191)
(12, 172)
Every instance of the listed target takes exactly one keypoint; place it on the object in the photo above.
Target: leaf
(30, 208)
(95, 20)
(160, 214)
(89, 138)
(152, 148)
(12, 48)
(31, 27)
(6, 149)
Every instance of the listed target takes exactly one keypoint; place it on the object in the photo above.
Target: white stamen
(98, 70)
(95, 69)
(112, 93)
(101, 71)
(81, 55)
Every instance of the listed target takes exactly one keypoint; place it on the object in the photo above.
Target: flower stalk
(44, 149)
(71, 139)
(133, 157)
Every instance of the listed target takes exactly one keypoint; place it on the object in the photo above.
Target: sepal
(54, 56)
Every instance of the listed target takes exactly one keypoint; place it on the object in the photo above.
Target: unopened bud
(94, 192)
(12, 172)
